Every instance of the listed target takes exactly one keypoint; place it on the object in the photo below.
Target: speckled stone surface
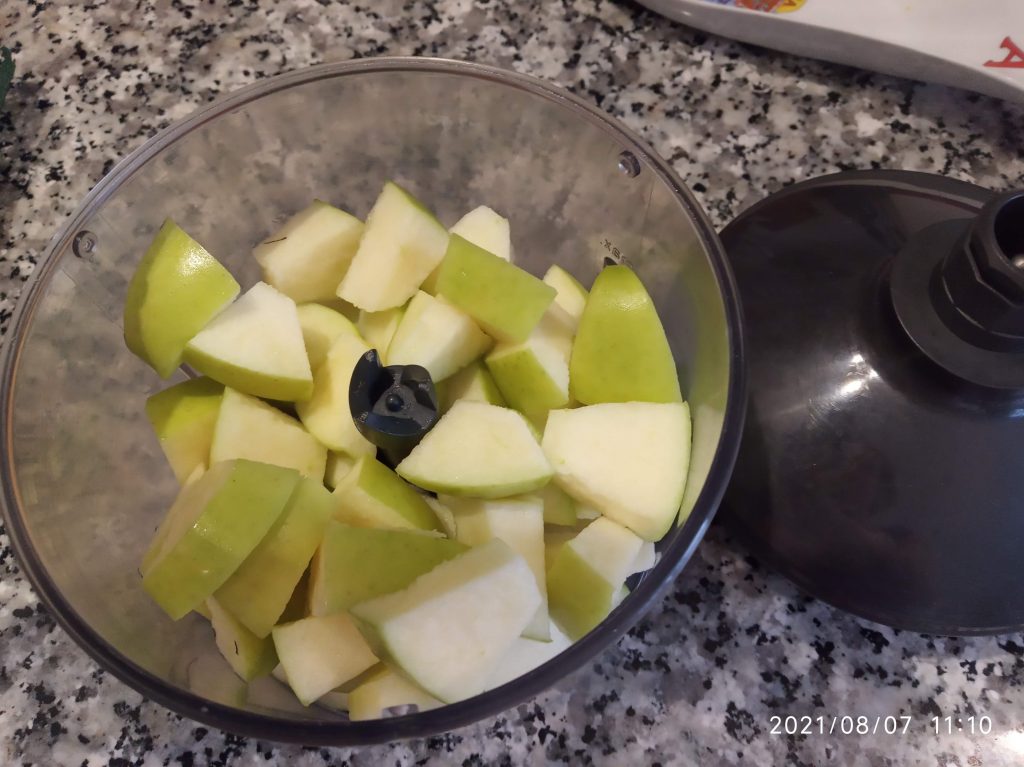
(697, 681)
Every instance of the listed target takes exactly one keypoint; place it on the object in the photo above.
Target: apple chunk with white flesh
(383, 689)
(436, 336)
(403, 242)
(571, 297)
(321, 653)
(321, 327)
(628, 460)
(215, 523)
(248, 655)
(248, 427)
(559, 507)
(176, 289)
(519, 522)
(588, 573)
(485, 229)
(448, 629)
(533, 376)
(256, 347)
(307, 257)
(378, 328)
(478, 450)
(474, 382)
(338, 467)
(372, 495)
(183, 417)
(258, 592)
(525, 655)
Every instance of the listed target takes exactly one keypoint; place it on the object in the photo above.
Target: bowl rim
(451, 716)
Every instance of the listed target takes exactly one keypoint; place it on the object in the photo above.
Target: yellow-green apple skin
(621, 353)
(338, 466)
(571, 297)
(525, 655)
(308, 256)
(372, 495)
(320, 653)
(353, 564)
(258, 592)
(383, 689)
(176, 289)
(436, 336)
(248, 427)
(484, 228)
(559, 507)
(213, 526)
(321, 327)
(448, 628)
(248, 655)
(587, 575)
(183, 417)
(504, 300)
(256, 347)
(533, 376)
(479, 450)
(403, 242)
(628, 460)
(474, 382)
(378, 328)
(326, 414)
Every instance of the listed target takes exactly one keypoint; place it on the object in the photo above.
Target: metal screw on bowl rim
(628, 164)
(84, 243)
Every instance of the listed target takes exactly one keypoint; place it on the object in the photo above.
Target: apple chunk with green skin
(519, 522)
(338, 467)
(504, 300)
(485, 229)
(383, 689)
(307, 257)
(354, 564)
(378, 328)
(559, 507)
(319, 654)
(258, 592)
(256, 347)
(571, 297)
(248, 655)
(621, 353)
(628, 460)
(533, 376)
(474, 382)
(183, 417)
(587, 575)
(448, 629)
(372, 495)
(478, 450)
(403, 242)
(176, 289)
(321, 327)
(248, 427)
(436, 336)
(215, 523)
(527, 654)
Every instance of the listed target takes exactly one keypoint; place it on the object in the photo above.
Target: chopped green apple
(354, 564)
(248, 655)
(554, 539)
(444, 515)
(585, 513)
(588, 573)
(448, 629)
(321, 327)
(403, 242)
(248, 427)
(256, 347)
(183, 417)
(307, 257)
(559, 507)
(176, 289)
(628, 460)
(344, 308)
(485, 229)
(382, 690)
(474, 382)
(258, 592)
(572, 297)
(437, 336)
(504, 300)
(478, 450)
(525, 655)
(372, 495)
(645, 559)
(533, 376)
(326, 414)
(338, 466)
(378, 328)
(209, 531)
(621, 353)
(318, 654)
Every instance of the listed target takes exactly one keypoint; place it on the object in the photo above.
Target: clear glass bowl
(84, 481)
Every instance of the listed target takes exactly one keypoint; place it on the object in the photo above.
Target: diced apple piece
(572, 297)
(338, 467)
(250, 428)
(378, 328)
(474, 382)
(525, 655)
(585, 513)
(588, 573)
(628, 460)
(449, 628)
(209, 531)
(372, 495)
(307, 257)
(320, 329)
(533, 376)
(183, 417)
(437, 336)
(485, 229)
(248, 655)
(176, 289)
(342, 307)
(321, 653)
(554, 539)
(645, 559)
(256, 347)
(326, 414)
(559, 507)
(444, 516)
(258, 592)
(382, 690)
(478, 450)
(504, 300)
(402, 243)
(354, 564)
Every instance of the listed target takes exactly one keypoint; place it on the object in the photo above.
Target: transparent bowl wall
(85, 482)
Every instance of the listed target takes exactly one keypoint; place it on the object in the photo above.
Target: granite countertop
(699, 678)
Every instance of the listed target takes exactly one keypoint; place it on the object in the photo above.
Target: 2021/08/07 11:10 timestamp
(875, 725)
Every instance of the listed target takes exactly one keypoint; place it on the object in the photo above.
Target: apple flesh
(533, 376)
(571, 297)
(372, 495)
(338, 467)
(382, 690)
(175, 291)
(485, 229)
(321, 327)
(474, 382)
(436, 336)
(183, 417)
(378, 328)
(525, 655)
(256, 347)
(559, 507)
(248, 655)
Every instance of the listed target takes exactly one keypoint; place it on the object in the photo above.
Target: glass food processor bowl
(84, 480)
